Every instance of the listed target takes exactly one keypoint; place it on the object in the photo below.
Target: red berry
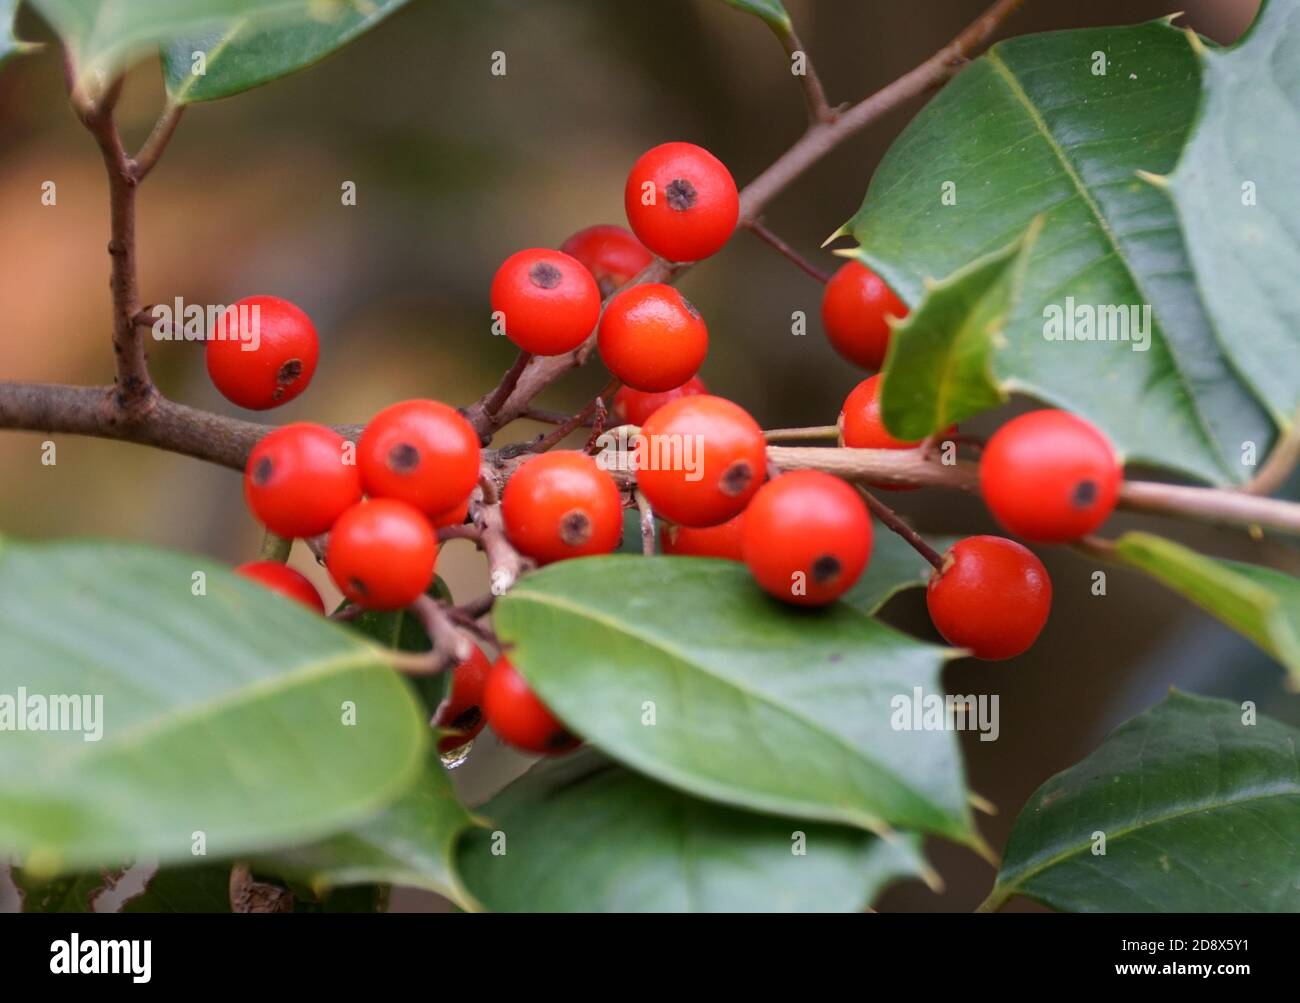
(610, 253)
(548, 299)
(807, 537)
(300, 478)
(854, 311)
(636, 406)
(420, 452)
(1049, 476)
(991, 596)
(861, 424)
(283, 579)
(518, 717)
(560, 505)
(652, 338)
(454, 516)
(700, 459)
(723, 540)
(263, 352)
(382, 553)
(681, 201)
(462, 711)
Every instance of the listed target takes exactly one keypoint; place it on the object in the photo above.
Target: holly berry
(652, 338)
(681, 201)
(549, 300)
(700, 459)
(454, 516)
(298, 479)
(382, 553)
(462, 711)
(861, 424)
(610, 253)
(283, 579)
(421, 452)
(807, 537)
(518, 717)
(263, 353)
(855, 306)
(991, 596)
(724, 540)
(560, 505)
(1049, 476)
(636, 406)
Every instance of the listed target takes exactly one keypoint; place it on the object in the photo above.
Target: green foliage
(1200, 809)
(584, 835)
(222, 713)
(1234, 188)
(1031, 130)
(246, 52)
(895, 567)
(65, 893)
(10, 45)
(1261, 603)
(754, 704)
(771, 11)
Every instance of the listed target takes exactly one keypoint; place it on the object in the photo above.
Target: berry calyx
(807, 537)
(382, 554)
(700, 460)
(462, 711)
(855, 308)
(299, 479)
(421, 452)
(634, 407)
(652, 338)
(548, 300)
(681, 201)
(611, 253)
(283, 579)
(263, 352)
(560, 505)
(991, 596)
(518, 717)
(725, 540)
(1049, 476)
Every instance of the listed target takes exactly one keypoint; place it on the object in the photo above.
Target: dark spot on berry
(1085, 493)
(403, 458)
(681, 194)
(262, 471)
(286, 376)
(560, 739)
(357, 585)
(826, 569)
(736, 478)
(575, 527)
(545, 275)
(466, 719)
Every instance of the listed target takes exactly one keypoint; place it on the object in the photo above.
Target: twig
(505, 388)
(759, 230)
(1281, 461)
(594, 411)
(647, 523)
(466, 531)
(813, 432)
(819, 109)
(147, 159)
(275, 548)
(891, 520)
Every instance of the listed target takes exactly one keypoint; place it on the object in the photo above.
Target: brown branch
(1281, 461)
(594, 413)
(813, 432)
(814, 95)
(647, 523)
(770, 238)
(896, 525)
(147, 159)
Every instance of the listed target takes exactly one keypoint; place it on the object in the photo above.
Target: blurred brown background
(455, 169)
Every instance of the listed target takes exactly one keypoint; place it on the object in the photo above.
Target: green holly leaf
(771, 11)
(683, 669)
(65, 893)
(1196, 804)
(1260, 603)
(246, 52)
(1235, 192)
(10, 44)
(581, 834)
(196, 707)
(1058, 126)
(894, 568)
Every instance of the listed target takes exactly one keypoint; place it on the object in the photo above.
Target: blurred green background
(455, 169)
